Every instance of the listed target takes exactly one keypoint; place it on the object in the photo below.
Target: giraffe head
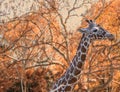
(95, 31)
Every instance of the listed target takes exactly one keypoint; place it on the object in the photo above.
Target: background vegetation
(37, 48)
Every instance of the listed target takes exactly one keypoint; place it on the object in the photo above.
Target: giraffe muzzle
(111, 37)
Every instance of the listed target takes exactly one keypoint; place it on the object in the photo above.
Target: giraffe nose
(111, 37)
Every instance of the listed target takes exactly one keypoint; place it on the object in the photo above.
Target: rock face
(10, 9)
(15, 8)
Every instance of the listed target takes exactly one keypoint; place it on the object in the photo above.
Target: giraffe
(70, 78)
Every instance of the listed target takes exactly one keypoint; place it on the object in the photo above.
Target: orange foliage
(19, 33)
(38, 38)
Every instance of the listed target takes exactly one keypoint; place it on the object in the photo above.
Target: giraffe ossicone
(70, 78)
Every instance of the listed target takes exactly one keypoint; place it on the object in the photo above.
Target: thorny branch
(33, 48)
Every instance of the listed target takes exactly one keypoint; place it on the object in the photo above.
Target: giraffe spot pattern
(79, 65)
(68, 88)
(85, 44)
(76, 71)
(83, 56)
(83, 49)
(72, 80)
(99, 36)
(59, 90)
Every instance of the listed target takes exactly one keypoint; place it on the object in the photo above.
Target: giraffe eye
(95, 30)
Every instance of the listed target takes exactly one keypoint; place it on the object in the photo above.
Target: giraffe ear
(83, 30)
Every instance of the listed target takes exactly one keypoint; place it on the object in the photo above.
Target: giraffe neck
(71, 76)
